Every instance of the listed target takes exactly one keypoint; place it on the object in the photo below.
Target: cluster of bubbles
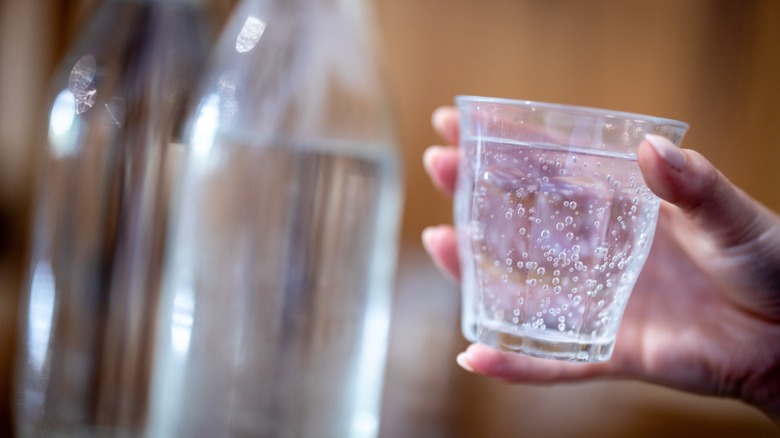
(561, 247)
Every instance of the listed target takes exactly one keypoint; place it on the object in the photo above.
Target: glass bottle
(117, 103)
(276, 307)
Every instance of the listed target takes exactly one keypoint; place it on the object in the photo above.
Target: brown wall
(712, 63)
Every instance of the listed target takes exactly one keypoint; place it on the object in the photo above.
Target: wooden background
(712, 63)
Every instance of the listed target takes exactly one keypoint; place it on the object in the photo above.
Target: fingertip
(667, 151)
(478, 358)
(441, 115)
(435, 240)
(429, 158)
(445, 122)
(665, 176)
(441, 164)
(462, 359)
(429, 236)
(703, 192)
(440, 243)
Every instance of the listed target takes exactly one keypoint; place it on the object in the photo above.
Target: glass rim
(571, 108)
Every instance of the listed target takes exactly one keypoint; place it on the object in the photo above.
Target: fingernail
(667, 150)
(443, 122)
(438, 113)
(429, 235)
(463, 361)
(429, 157)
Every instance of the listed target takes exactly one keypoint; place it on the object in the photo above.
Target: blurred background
(712, 63)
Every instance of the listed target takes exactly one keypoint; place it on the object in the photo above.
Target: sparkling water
(555, 238)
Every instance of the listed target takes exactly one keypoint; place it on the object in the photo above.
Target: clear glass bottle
(277, 297)
(117, 103)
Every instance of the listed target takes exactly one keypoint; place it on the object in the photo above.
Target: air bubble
(570, 235)
(540, 271)
(509, 214)
(559, 226)
(545, 234)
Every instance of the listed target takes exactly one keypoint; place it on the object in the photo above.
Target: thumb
(688, 180)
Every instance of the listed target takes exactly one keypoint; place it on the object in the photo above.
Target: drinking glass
(554, 223)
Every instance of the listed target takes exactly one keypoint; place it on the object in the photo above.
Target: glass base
(549, 346)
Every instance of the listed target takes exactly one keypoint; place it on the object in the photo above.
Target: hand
(705, 313)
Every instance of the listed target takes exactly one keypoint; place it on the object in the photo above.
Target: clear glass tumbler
(554, 222)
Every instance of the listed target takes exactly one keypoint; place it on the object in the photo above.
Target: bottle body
(100, 216)
(278, 292)
(278, 320)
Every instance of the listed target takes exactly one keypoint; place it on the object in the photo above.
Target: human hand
(705, 313)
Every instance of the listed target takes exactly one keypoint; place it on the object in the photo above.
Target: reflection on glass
(181, 321)
(80, 83)
(205, 126)
(40, 314)
(61, 123)
(250, 34)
